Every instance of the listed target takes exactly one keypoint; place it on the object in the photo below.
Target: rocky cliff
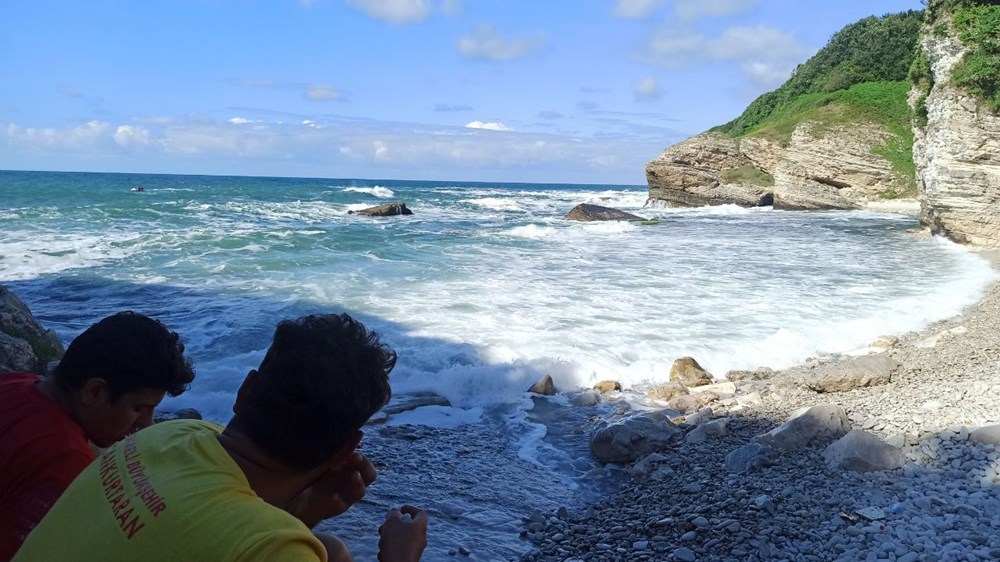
(819, 167)
(957, 152)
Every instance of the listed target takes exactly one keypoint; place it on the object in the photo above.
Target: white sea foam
(377, 191)
(497, 203)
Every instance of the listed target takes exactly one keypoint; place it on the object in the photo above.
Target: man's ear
(94, 391)
(246, 391)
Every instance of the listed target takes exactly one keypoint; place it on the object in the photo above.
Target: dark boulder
(26, 345)
(387, 210)
(588, 212)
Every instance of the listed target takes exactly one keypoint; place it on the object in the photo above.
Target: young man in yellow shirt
(192, 490)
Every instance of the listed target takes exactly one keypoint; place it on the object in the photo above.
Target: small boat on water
(138, 188)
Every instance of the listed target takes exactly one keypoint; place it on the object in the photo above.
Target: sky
(565, 91)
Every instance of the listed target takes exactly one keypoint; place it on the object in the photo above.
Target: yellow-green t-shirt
(168, 493)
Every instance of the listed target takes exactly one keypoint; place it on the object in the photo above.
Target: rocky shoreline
(724, 488)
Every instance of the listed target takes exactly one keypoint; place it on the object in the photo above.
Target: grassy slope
(860, 75)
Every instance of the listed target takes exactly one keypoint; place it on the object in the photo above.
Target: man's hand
(403, 536)
(342, 486)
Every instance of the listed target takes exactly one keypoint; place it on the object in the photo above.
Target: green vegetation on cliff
(871, 50)
(977, 24)
(978, 73)
(859, 76)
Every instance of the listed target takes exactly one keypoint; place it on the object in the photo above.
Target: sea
(482, 291)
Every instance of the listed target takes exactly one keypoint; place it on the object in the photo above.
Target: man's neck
(51, 389)
(273, 481)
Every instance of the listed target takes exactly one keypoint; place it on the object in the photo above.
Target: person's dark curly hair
(322, 378)
(131, 352)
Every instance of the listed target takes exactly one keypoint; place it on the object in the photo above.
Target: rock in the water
(585, 398)
(605, 387)
(407, 402)
(688, 372)
(386, 210)
(857, 373)
(633, 437)
(750, 457)
(544, 386)
(812, 425)
(588, 212)
(861, 451)
(666, 391)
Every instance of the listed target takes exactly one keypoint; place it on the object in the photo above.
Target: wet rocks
(605, 387)
(633, 437)
(386, 210)
(688, 372)
(544, 386)
(587, 213)
(24, 344)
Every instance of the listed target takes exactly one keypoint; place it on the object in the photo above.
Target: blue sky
(569, 91)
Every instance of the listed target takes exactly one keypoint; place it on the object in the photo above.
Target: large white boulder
(861, 451)
(633, 437)
(807, 427)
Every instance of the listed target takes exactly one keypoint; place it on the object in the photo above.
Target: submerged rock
(588, 212)
(544, 386)
(407, 402)
(386, 210)
(605, 387)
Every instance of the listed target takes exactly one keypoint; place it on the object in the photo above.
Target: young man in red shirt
(106, 386)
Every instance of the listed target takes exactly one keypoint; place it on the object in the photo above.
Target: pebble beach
(939, 502)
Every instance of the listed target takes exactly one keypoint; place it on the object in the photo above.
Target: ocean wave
(377, 191)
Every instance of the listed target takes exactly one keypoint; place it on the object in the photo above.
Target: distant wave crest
(377, 191)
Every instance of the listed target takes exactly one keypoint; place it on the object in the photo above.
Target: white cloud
(451, 8)
(76, 138)
(691, 9)
(485, 43)
(636, 9)
(766, 55)
(394, 11)
(256, 82)
(130, 135)
(647, 88)
(357, 148)
(489, 125)
(241, 121)
(321, 92)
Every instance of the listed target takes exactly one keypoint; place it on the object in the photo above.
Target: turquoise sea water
(483, 290)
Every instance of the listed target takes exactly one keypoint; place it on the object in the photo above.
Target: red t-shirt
(41, 451)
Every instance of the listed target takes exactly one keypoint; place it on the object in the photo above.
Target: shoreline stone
(730, 497)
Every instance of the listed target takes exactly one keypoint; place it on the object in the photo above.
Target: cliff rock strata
(957, 154)
(820, 167)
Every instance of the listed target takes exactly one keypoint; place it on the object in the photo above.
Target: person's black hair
(131, 352)
(320, 381)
